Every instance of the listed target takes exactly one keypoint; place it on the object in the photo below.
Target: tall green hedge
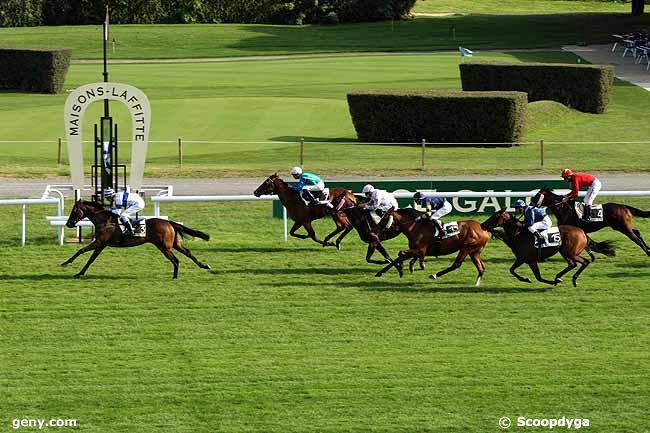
(32, 70)
(497, 118)
(582, 87)
(77, 12)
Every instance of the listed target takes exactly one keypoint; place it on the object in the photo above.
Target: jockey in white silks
(381, 201)
(125, 205)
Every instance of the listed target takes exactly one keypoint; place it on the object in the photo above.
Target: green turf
(284, 100)
(296, 338)
(481, 31)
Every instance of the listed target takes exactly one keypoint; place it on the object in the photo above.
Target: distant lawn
(501, 7)
(420, 34)
(284, 100)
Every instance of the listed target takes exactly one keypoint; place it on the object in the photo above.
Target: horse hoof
(338, 247)
(64, 264)
(575, 284)
(77, 276)
(207, 267)
(433, 276)
(378, 274)
(527, 280)
(558, 281)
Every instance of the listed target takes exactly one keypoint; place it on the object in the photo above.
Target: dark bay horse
(162, 233)
(470, 240)
(303, 215)
(616, 216)
(574, 242)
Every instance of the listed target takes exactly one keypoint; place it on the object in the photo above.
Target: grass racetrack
(296, 338)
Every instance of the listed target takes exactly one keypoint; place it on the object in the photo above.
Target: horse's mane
(93, 204)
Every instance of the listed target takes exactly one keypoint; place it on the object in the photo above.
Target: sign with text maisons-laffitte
(461, 205)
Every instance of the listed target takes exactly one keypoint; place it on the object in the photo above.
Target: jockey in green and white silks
(381, 201)
(125, 205)
(310, 186)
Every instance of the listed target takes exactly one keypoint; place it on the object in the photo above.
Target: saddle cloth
(449, 229)
(596, 212)
(551, 238)
(139, 228)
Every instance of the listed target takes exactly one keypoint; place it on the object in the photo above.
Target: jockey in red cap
(581, 180)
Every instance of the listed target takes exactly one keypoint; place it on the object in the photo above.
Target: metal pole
(424, 146)
(302, 152)
(541, 155)
(24, 225)
(180, 153)
(58, 154)
(284, 221)
(105, 73)
(156, 209)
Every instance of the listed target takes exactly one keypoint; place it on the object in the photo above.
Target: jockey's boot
(540, 249)
(440, 231)
(586, 215)
(127, 226)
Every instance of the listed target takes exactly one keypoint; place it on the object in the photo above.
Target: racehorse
(368, 233)
(616, 216)
(303, 215)
(471, 240)
(162, 233)
(574, 242)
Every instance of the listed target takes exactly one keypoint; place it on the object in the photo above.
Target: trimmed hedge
(582, 87)
(439, 117)
(33, 70)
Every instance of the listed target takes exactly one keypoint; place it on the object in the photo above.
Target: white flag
(106, 26)
(465, 52)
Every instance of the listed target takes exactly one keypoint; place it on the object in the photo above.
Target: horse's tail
(182, 230)
(638, 212)
(604, 247)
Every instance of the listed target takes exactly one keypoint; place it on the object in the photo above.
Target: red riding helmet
(567, 173)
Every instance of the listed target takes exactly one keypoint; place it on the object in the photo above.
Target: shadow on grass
(306, 272)
(262, 249)
(70, 276)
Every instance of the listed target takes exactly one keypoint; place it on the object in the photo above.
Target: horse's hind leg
(571, 264)
(90, 261)
(583, 264)
(638, 235)
(312, 234)
(186, 252)
(91, 246)
(459, 261)
(480, 267)
(171, 257)
(347, 230)
(535, 268)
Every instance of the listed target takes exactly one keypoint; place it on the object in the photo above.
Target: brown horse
(574, 242)
(303, 215)
(616, 216)
(161, 233)
(470, 240)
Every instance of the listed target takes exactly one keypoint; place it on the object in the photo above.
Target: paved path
(33, 188)
(626, 68)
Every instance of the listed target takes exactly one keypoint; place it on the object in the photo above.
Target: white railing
(27, 201)
(398, 194)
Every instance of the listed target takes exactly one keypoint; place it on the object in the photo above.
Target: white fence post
(284, 220)
(24, 226)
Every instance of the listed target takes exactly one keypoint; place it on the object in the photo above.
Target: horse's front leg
(89, 247)
(96, 252)
(513, 268)
(462, 254)
(535, 268)
(295, 228)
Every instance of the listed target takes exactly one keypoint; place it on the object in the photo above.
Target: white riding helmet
(368, 189)
(296, 171)
(108, 192)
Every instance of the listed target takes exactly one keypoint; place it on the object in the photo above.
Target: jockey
(535, 220)
(310, 187)
(381, 201)
(436, 208)
(580, 180)
(126, 203)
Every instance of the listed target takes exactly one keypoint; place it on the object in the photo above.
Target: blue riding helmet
(418, 195)
(520, 203)
(108, 192)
